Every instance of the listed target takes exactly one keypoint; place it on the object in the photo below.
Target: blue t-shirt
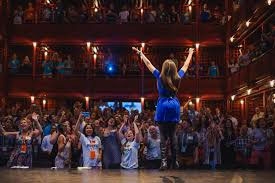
(129, 159)
(14, 64)
(61, 69)
(213, 71)
(47, 67)
(162, 91)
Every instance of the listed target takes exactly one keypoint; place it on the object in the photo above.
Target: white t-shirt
(124, 16)
(90, 150)
(129, 159)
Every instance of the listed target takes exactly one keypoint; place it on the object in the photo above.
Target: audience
(74, 138)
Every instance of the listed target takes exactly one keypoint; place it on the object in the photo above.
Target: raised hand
(191, 50)
(137, 50)
(35, 116)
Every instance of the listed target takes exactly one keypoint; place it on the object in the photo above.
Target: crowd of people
(59, 65)
(121, 11)
(71, 137)
(252, 52)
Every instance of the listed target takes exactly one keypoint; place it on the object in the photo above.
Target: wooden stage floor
(134, 176)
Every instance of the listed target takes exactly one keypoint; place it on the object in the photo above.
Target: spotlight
(95, 56)
(247, 23)
(190, 8)
(44, 102)
(34, 44)
(190, 103)
(272, 83)
(142, 45)
(249, 92)
(198, 100)
(45, 53)
(242, 102)
(269, 2)
(233, 97)
(87, 99)
(232, 39)
(96, 10)
(32, 99)
(197, 45)
(110, 68)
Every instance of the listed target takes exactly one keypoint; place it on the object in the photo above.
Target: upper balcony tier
(113, 34)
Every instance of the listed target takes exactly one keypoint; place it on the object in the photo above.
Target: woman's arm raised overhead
(188, 60)
(145, 60)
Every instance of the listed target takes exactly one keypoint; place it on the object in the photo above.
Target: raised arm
(121, 136)
(145, 60)
(137, 135)
(38, 131)
(188, 60)
(77, 127)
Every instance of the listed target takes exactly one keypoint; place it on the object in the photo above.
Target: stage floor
(143, 176)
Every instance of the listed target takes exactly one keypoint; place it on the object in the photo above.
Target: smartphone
(86, 114)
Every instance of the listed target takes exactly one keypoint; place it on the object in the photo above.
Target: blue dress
(168, 107)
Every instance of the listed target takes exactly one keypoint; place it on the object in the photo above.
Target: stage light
(95, 56)
(141, 11)
(110, 68)
(34, 44)
(142, 45)
(233, 97)
(240, 46)
(88, 45)
(142, 99)
(269, 2)
(242, 102)
(190, 103)
(46, 53)
(232, 39)
(271, 83)
(247, 23)
(197, 45)
(32, 99)
(249, 91)
(190, 8)
(96, 10)
(197, 99)
(87, 99)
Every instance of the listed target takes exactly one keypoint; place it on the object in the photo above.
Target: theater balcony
(113, 34)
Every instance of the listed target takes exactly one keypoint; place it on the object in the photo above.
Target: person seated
(84, 14)
(29, 14)
(174, 15)
(187, 146)
(72, 15)
(233, 67)
(150, 15)
(26, 67)
(111, 15)
(14, 64)
(213, 70)
(124, 14)
(47, 66)
(217, 15)
(18, 15)
(205, 14)
(244, 58)
(185, 16)
(162, 16)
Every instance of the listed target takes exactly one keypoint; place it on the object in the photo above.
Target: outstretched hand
(137, 50)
